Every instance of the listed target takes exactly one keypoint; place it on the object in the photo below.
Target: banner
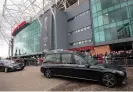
(45, 38)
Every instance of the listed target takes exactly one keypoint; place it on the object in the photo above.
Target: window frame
(71, 58)
(52, 54)
(80, 57)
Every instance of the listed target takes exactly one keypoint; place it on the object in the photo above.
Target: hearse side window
(67, 59)
(79, 60)
(53, 58)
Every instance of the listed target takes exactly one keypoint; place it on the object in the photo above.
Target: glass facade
(112, 19)
(27, 41)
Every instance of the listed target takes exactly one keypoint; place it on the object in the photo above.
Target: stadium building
(94, 25)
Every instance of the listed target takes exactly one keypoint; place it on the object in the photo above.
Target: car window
(1, 63)
(53, 58)
(79, 60)
(9, 61)
(67, 58)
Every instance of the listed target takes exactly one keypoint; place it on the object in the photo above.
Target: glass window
(30, 37)
(94, 9)
(101, 36)
(124, 32)
(111, 9)
(101, 28)
(95, 22)
(96, 29)
(130, 2)
(95, 15)
(82, 42)
(131, 10)
(107, 34)
(89, 40)
(113, 32)
(97, 39)
(100, 20)
(99, 13)
(67, 59)
(117, 6)
(106, 18)
(121, 14)
(111, 16)
(118, 16)
(123, 4)
(124, 13)
(112, 25)
(85, 41)
(98, 6)
(122, 1)
(79, 60)
(108, 3)
(53, 58)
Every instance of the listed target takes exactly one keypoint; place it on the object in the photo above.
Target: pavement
(31, 79)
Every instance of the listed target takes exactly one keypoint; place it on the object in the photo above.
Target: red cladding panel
(18, 27)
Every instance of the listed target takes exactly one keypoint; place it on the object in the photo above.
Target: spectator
(106, 58)
(100, 58)
(41, 60)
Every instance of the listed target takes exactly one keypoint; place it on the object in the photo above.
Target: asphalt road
(30, 79)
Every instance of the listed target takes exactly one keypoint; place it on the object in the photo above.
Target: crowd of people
(113, 55)
(116, 54)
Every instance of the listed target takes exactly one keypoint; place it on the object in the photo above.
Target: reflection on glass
(27, 41)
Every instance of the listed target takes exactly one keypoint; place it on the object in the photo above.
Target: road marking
(54, 86)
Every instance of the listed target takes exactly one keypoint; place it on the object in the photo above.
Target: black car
(77, 65)
(10, 65)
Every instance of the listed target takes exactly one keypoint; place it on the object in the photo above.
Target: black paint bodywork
(15, 66)
(86, 71)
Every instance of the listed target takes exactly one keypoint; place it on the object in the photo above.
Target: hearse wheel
(109, 80)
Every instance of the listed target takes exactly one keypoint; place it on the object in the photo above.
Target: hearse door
(81, 69)
(67, 64)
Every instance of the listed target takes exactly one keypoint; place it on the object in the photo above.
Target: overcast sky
(17, 18)
(3, 44)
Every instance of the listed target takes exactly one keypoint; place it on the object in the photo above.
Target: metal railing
(119, 61)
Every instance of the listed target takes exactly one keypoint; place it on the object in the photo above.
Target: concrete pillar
(12, 43)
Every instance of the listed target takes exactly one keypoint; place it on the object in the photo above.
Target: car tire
(109, 80)
(47, 73)
(6, 70)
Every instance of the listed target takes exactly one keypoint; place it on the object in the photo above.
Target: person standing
(106, 58)
(41, 60)
(100, 58)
